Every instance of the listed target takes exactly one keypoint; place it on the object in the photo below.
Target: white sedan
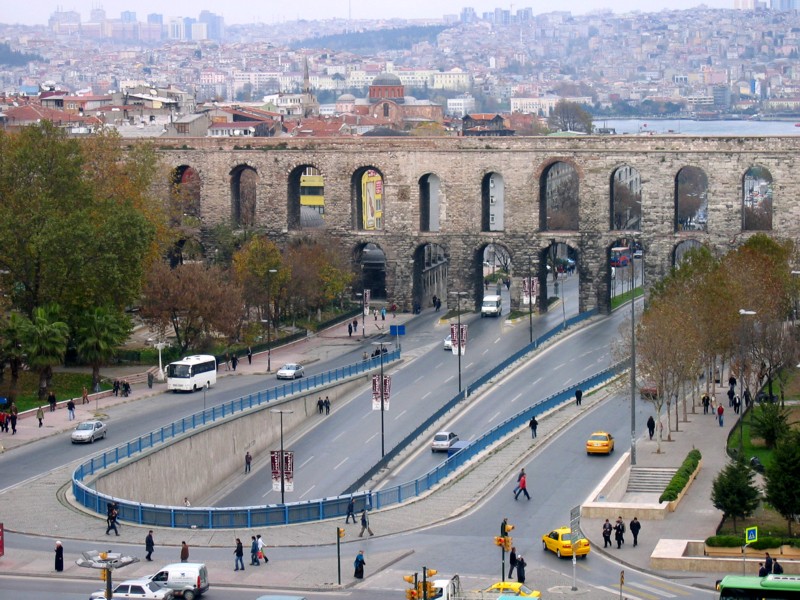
(88, 432)
(443, 440)
(291, 371)
(136, 588)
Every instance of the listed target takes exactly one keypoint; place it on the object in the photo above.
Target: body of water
(687, 127)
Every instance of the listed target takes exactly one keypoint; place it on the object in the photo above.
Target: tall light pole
(458, 339)
(269, 313)
(380, 349)
(742, 313)
(633, 365)
(530, 301)
(281, 413)
(363, 299)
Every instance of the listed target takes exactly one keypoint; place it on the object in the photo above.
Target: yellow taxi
(600, 442)
(559, 541)
(512, 588)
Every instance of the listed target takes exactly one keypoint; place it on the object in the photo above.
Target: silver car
(443, 440)
(291, 371)
(136, 588)
(88, 432)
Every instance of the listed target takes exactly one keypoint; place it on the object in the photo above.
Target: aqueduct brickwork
(461, 166)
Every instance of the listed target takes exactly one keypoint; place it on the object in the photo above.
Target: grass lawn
(65, 385)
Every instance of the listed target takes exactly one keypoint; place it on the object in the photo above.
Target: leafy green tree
(783, 478)
(99, 333)
(734, 493)
(11, 349)
(770, 422)
(44, 340)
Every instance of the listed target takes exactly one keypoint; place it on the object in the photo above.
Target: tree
(734, 493)
(99, 333)
(44, 340)
(11, 349)
(770, 422)
(570, 116)
(783, 478)
(195, 301)
(251, 267)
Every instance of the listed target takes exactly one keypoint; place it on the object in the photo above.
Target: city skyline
(243, 12)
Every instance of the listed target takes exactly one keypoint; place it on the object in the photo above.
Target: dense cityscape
(144, 74)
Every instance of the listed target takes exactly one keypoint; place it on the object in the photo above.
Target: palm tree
(99, 334)
(44, 340)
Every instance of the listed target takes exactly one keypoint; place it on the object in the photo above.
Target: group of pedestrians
(516, 563)
(232, 360)
(618, 529)
(8, 418)
(770, 565)
(121, 387)
(522, 485)
(324, 406)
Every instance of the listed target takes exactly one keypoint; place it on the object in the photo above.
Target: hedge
(681, 478)
(764, 543)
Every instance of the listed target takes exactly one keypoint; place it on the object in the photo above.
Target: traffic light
(498, 540)
(340, 531)
(429, 589)
(410, 579)
(411, 594)
(430, 573)
(507, 543)
(509, 527)
(103, 574)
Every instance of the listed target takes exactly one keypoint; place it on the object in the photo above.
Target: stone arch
(493, 265)
(429, 274)
(624, 270)
(367, 199)
(757, 199)
(493, 198)
(244, 185)
(306, 198)
(557, 261)
(430, 187)
(681, 248)
(626, 199)
(559, 189)
(185, 192)
(370, 262)
(691, 199)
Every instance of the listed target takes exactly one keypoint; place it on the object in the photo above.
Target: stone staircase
(649, 480)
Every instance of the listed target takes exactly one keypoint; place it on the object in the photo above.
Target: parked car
(443, 440)
(559, 541)
(511, 588)
(619, 261)
(186, 580)
(291, 371)
(448, 343)
(600, 442)
(88, 432)
(136, 588)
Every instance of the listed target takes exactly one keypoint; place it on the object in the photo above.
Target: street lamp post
(458, 339)
(742, 313)
(269, 313)
(380, 381)
(281, 413)
(530, 302)
(633, 366)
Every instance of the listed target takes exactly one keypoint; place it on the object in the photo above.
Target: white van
(492, 306)
(186, 580)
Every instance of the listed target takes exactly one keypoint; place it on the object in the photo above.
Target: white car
(443, 440)
(136, 588)
(448, 343)
(291, 371)
(88, 432)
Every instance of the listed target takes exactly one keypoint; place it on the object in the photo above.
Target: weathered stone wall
(461, 164)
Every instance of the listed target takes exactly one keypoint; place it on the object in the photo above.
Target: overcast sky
(32, 12)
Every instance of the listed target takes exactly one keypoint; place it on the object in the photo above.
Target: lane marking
(616, 592)
(346, 458)
(338, 436)
(370, 438)
(484, 352)
(308, 491)
(450, 378)
(493, 417)
(536, 381)
(497, 340)
(418, 379)
(469, 365)
(515, 398)
(305, 463)
(652, 589)
(400, 415)
(426, 395)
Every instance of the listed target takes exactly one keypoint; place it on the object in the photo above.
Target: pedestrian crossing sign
(750, 535)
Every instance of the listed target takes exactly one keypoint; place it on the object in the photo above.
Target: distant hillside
(402, 38)
(14, 58)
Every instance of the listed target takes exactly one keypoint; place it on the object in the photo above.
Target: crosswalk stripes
(616, 592)
(652, 589)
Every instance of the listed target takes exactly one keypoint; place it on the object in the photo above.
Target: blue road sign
(397, 329)
(751, 535)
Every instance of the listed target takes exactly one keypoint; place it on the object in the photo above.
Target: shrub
(725, 541)
(681, 478)
(765, 543)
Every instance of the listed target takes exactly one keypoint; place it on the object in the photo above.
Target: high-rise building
(215, 25)
(127, 16)
(155, 19)
(97, 15)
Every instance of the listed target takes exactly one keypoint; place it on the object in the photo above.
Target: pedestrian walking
(578, 396)
(184, 552)
(523, 487)
(512, 561)
(254, 552)
(737, 404)
(748, 399)
(320, 405)
(13, 412)
(149, 545)
(383, 313)
(261, 554)
(619, 532)
(249, 356)
(3, 421)
(651, 426)
(365, 523)
(349, 330)
(51, 398)
(720, 412)
(247, 460)
(111, 519)
(768, 562)
(40, 415)
(234, 361)
(239, 553)
(375, 313)
(355, 325)
(351, 505)
(516, 487)
(776, 568)
(115, 387)
(635, 526)
(706, 401)
(521, 564)
(85, 396)
(731, 394)
(70, 410)
(762, 571)
(59, 562)
(327, 404)
(126, 388)
(358, 565)
(607, 529)
(533, 425)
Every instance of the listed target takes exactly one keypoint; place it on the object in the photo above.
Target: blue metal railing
(325, 508)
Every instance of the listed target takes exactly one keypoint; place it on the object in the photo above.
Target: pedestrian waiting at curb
(578, 396)
(521, 564)
(59, 559)
(512, 561)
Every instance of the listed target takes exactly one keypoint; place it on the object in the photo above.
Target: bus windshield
(179, 371)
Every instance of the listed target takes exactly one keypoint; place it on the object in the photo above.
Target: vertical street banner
(367, 297)
(530, 289)
(458, 343)
(376, 392)
(2, 541)
(288, 470)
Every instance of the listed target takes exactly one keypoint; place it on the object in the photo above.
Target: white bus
(192, 373)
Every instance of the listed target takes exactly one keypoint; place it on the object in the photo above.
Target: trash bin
(150, 379)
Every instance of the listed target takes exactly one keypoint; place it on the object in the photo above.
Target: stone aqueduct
(460, 168)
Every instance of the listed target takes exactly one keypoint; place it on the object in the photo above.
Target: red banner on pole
(376, 392)
(288, 470)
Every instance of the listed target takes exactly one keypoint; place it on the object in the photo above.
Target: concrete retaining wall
(199, 462)
(687, 555)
